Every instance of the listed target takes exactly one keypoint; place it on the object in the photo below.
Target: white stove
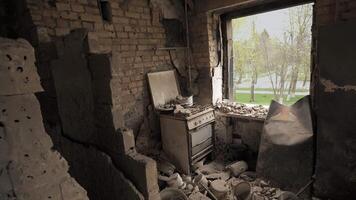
(186, 139)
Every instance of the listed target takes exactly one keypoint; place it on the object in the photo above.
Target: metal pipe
(188, 43)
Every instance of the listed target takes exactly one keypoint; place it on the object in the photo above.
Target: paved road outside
(265, 82)
(267, 92)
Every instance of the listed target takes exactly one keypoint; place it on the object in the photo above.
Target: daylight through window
(271, 56)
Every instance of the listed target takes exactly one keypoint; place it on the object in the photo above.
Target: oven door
(201, 138)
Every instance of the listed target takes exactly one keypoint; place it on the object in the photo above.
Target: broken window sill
(239, 116)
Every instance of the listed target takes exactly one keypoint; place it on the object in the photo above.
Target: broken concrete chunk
(174, 181)
(18, 73)
(29, 166)
(72, 81)
(31, 163)
(238, 167)
(219, 188)
(166, 167)
(172, 193)
(127, 140)
(241, 109)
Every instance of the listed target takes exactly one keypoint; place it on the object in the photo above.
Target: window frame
(248, 9)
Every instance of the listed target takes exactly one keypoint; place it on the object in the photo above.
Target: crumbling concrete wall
(111, 134)
(334, 98)
(84, 91)
(96, 171)
(29, 168)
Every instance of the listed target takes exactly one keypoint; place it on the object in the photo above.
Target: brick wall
(204, 52)
(128, 41)
(134, 31)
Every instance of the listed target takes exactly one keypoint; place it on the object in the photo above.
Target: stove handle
(201, 126)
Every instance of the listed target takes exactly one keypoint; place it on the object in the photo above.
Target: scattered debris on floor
(241, 109)
(216, 181)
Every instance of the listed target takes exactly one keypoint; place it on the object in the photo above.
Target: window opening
(271, 56)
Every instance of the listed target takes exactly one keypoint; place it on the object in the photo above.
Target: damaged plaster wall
(332, 87)
(206, 37)
(28, 164)
(84, 91)
(334, 99)
(204, 52)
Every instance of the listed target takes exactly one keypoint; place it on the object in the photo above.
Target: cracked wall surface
(335, 110)
(28, 164)
(84, 91)
(332, 87)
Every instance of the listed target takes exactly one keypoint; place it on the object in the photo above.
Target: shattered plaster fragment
(332, 87)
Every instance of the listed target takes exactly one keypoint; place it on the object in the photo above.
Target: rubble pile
(214, 181)
(182, 109)
(241, 109)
